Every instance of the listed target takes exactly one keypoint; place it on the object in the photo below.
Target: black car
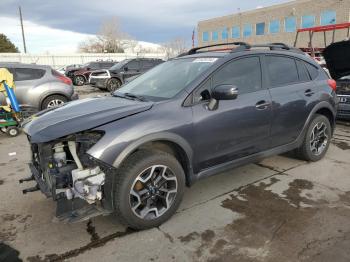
(337, 56)
(189, 118)
(116, 76)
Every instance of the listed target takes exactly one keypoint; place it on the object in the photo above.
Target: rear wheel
(53, 101)
(113, 84)
(317, 139)
(79, 80)
(148, 189)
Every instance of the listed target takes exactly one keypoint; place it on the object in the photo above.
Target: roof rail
(194, 50)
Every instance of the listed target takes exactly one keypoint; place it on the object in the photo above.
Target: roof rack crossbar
(194, 50)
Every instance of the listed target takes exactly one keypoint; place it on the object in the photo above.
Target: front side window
(328, 17)
(224, 33)
(205, 36)
(247, 30)
(308, 21)
(236, 32)
(274, 27)
(260, 29)
(281, 70)
(215, 36)
(168, 79)
(243, 73)
(290, 24)
(23, 74)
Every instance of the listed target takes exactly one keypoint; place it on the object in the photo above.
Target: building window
(205, 36)
(328, 17)
(224, 33)
(290, 24)
(236, 32)
(260, 29)
(247, 30)
(215, 35)
(274, 26)
(308, 21)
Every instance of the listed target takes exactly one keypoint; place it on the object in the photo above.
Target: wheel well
(82, 76)
(171, 148)
(46, 96)
(115, 77)
(327, 113)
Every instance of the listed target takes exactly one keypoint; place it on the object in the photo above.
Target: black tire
(126, 178)
(79, 80)
(305, 152)
(53, 101)
(113, 84)
(12, 131)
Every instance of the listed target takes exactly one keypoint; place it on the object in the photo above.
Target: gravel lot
(281, 209)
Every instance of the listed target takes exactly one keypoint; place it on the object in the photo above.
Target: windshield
(167, 79)
(120, 64)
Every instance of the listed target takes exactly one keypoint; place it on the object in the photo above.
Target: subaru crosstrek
(194, 116)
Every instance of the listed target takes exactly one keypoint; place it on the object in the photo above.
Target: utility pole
(23, 38)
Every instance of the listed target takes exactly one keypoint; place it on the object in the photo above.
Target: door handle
(261, 105)
(309, 92)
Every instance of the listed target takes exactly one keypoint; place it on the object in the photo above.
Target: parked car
(337, 56)
(116, 76)
(81, 76)
(191, 117)
(63, 69)
(39, 87)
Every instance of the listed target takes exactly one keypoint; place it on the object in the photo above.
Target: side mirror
(126, 68)
(225, 92)
(222, 92)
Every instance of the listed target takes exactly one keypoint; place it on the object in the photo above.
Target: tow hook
(30, 189)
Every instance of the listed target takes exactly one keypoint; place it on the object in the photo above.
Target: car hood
(80, 115)
(337, 56)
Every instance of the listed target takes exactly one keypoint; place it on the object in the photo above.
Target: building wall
(297, 9)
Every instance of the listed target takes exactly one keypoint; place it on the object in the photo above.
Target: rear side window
(303, 73)
(23, 74)
(281, 70)
(313, 70)
(244, 73)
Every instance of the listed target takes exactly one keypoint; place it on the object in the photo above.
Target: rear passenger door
(237, 128)
(26, 79)
(292, 93)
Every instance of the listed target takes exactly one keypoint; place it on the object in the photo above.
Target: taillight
(332, 84)
(61, 77)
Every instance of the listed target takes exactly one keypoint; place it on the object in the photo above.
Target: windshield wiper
(130, 96)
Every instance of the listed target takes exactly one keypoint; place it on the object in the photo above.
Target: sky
(58, 26)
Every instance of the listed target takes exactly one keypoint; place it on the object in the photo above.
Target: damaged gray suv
(194, 116)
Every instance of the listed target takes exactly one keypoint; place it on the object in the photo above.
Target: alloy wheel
(153, 192)
(79, 80)
(318, 139)
(55, 103)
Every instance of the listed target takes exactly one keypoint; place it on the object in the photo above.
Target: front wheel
(317, 139)
(12, 131)
(113, 84)
(148, 189)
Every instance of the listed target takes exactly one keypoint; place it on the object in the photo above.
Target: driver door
(236, 128)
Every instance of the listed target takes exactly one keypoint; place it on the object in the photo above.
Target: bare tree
(175, 47)
(109, 39)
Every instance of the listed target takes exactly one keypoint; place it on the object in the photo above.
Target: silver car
(39, 87)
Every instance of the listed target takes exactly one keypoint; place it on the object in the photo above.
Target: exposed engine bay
(65, 172)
